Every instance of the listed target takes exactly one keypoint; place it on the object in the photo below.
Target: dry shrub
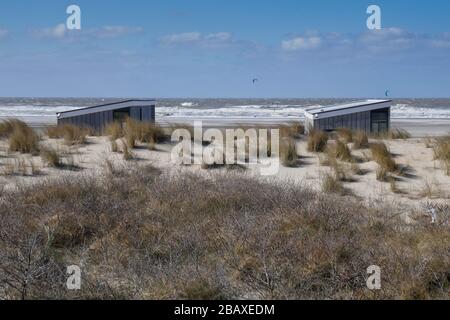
(51, 157)
(72, 135)
(441, 151)
(114, 146)
(144, 132)
(360, 139)
(127, 153)
(8, 126)
(317, 141)
(332, 184)
(398, 134)
(293, 130)
(22, 138)
(342, 151)
(288, 153)
(345, 134)
(114, 131)
(356, 169)
(142, 234)
(383, 157)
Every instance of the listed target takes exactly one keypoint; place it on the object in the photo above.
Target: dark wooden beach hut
(97, 117)
(371, 116)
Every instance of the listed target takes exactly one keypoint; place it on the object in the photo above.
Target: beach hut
(97, 117)
(371, 116)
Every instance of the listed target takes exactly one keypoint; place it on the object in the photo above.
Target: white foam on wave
(191, 110)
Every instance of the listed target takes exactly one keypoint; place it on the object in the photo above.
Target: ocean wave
(203, 110)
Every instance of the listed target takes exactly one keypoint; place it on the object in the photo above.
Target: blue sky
(212, 48)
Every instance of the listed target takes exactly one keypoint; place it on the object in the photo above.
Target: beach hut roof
(347, 108)
(106, 107)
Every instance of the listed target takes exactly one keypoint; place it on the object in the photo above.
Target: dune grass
(441, 151)
(397, 134)
(288, 152)
(317, 141)
(72, 135)
(144, 132)
(114, 131)
(360, 140)
(292, 130)
(382, 156)
(50, 157)
(331, 183)
(345, 134)
(21, 138)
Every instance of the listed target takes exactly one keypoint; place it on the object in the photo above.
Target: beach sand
(424, 180)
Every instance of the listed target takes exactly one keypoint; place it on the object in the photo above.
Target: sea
(44, 110)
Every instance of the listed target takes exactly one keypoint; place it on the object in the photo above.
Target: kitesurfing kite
(255, 80)
(387, 92)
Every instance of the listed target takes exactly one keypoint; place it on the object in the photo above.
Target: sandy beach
(425, 179)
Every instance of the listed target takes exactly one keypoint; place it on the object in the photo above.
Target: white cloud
(56, 32)
(386, 40)
(182, 38)
(301, 43)
(219, 37)
(60, 32)
(197, 38)
(114, 31)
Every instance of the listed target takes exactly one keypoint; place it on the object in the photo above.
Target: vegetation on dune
(288, 152)
(360, 139)
(441, 151)
(398, 134)
(50, 157)
(339, 150)
(382, 156)
(293, 130)
(72, 135)
(317, 141)
(345, 135)
(144, 132)
(21, 138)
(331, 183)
(138, 233)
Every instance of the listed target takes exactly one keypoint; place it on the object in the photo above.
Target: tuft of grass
(360, 140)
(332, 184)
(337, 151)
(72, 135)
(114, 146)
(288, 152)
(22, 138)
(343, 152)
(441, 151)
(356, 169)
(317, 141)
(382, 174)
(382, 156)
(127, 153)
(293, 130)
(144, 132)
(345, 135)
(114, 131)
(51, 157)
(398, 134)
